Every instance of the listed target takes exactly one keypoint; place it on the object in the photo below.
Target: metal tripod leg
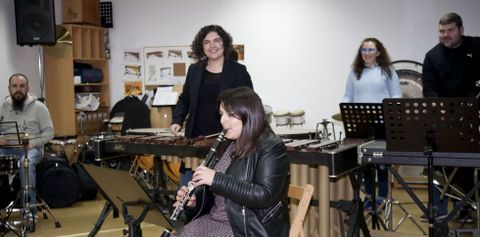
(43, 206)
(390, 202)
(106, 210)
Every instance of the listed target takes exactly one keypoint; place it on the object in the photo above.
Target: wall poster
(132, 74)
(166, 65)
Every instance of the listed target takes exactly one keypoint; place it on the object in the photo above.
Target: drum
(8, 165)
(282, 118)
(57, 182)
(9, 189)
(65, 146)
(171, 168)
(410, 76)
(145, 162)
(161, 116)
(297, 117)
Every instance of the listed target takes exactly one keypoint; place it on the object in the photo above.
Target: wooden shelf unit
(88, 46)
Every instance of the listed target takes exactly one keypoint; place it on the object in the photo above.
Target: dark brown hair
(383, 59)
(451, 17)
(197, 44)
(244, 104)
(17, 75)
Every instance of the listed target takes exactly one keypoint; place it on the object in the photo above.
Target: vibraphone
(322, 164)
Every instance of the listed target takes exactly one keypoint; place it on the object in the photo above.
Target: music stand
(14, 139)
(432, 125)
(120, 189)
(363, 120)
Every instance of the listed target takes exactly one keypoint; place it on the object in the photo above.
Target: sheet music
(165, 96)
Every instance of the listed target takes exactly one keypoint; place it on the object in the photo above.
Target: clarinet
(209, 162)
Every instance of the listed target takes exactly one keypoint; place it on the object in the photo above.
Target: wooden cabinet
(82, 44)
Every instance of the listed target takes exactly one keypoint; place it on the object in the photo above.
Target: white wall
(298, 52)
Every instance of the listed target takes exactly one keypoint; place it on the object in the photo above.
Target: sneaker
(465, 217)
(424, 218)
(367, 204)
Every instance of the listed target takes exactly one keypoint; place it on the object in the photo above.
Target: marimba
(323, 164)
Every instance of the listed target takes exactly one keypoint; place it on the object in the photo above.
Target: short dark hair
(17, 75)
(244, 104)
(451, 17)
(197, 44)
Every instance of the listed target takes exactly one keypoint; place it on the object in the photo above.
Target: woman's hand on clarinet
(181, 193)
(203, 175)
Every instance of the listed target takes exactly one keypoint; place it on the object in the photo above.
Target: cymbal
(63, 44)
(337, 117)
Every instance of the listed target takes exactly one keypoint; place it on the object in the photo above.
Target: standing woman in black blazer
(215, 70)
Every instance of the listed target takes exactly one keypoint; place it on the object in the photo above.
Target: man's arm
(46, 128)
(429, 78)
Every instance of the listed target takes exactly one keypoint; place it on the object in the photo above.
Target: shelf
(89, 59)
(91, 84)
(88, 46)
(100, 109)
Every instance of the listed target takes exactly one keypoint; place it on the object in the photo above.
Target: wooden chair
(303, 195)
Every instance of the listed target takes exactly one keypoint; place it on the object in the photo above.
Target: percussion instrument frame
(331, 165)
(376, 153)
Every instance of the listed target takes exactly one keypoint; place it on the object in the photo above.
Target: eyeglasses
(368, 50)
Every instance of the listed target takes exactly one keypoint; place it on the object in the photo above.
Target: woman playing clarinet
(245, 192)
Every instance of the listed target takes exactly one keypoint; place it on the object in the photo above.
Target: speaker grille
(35, 22)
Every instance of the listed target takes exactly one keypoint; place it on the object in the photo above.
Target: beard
(18, 100)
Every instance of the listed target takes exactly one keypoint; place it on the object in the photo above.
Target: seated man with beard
(32, 118)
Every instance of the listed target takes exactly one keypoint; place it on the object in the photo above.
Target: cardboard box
(81, 12)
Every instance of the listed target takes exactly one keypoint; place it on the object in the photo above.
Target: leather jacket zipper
(244, 220)
(243, 206)
(272, 212)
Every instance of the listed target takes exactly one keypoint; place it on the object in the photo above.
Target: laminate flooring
(79, 219)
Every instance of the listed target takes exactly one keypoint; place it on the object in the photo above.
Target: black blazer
(233, 75)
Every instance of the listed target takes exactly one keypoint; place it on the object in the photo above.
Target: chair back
(303, 194)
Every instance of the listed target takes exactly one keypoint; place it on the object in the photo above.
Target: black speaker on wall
(35, 21)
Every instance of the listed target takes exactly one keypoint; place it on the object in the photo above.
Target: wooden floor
(79, 219)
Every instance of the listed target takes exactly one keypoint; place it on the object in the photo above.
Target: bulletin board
(166, 65)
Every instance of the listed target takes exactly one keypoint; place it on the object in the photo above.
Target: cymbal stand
(26, 209)
(6, 226)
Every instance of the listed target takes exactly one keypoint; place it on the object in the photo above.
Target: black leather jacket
(255, 191)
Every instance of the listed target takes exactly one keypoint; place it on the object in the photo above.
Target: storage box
(81, 11)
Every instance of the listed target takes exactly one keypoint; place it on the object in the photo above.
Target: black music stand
(432, 125)
(363, 120)
(122, 192)
(14, 139)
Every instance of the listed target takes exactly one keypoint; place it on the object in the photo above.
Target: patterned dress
(215, 223)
